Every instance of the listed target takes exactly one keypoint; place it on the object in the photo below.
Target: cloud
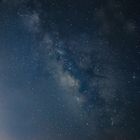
(68, 81)
(63, 78)
(31, 21)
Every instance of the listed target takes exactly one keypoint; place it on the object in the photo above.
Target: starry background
(69, 70)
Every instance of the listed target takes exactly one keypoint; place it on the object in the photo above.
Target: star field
(69, 70)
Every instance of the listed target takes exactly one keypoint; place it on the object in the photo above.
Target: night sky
(69, 70)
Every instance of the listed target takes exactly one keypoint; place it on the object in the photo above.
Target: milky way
(69, 70)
